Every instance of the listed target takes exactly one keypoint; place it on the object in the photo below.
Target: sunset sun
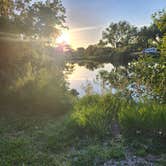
(63, 38)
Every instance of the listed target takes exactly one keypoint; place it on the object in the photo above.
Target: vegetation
(42, 122)
(94, 114)
(32, 78)
(32, 18)
(78, 139)
(124, 42)
(31, 74)
(146, 118)
(152, 71)
(119, 34)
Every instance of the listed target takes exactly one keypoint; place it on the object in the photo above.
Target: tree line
(126, 38)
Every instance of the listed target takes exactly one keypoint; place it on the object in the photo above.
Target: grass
(94, 114)
(96, 155)
(148, 119)
(47, 138)
(49, 141)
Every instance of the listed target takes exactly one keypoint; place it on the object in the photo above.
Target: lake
(82, 75)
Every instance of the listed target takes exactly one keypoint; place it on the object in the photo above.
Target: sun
(63, 38)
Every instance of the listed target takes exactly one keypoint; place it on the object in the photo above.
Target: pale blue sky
(87, 18)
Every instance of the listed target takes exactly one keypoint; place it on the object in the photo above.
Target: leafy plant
(94, 114)
(143, 118)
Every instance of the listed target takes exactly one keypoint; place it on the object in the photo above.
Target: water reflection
(79, 76)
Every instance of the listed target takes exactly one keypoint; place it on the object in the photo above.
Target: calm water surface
(80, 76)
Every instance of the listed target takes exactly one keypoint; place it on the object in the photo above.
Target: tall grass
(94, 114)
(144, 119)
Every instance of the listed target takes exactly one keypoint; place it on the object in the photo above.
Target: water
(81, 76)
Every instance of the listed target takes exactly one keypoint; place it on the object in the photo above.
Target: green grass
(24, 138)
(96, 155)
(48, 138)
(94, 114)
(50, 141)
(148, 119)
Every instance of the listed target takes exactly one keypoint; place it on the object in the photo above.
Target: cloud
(88, 28)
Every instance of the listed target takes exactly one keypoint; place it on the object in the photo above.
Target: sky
(87, 19)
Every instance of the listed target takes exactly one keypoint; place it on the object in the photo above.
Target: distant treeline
(124, 40)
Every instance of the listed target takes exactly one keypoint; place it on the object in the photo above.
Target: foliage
(163, 47)
(33, 73)
(19, 143)
(117, 78)
(92, 51)
(34, 93)
(119, 34)
(148, 70)
(151, 70)
(14, 152)
(51, 141)
(45, 139)
(121, 42)
(123, 34)
(9, 7)
(97, 155)
(159, 19)
(30, 18)
(143, 119)
(147, 34)
(95, 54)
(94, 114)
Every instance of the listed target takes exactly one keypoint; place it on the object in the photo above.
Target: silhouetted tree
(119, 34)
(147, 34)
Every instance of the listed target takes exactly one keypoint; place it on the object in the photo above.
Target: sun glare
(63, 38)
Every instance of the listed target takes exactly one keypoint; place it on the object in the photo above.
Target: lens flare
(63, 38)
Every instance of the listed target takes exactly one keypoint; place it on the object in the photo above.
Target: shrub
(32, 77)
(94, 114)
(13, 152)
(148, 119)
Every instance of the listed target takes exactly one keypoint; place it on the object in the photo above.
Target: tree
(10, 8)
(6, 7)
(80, 51)
(42, 18)
(159, 19)
(12, 13)
(147, 73)
(47, 16)
(148, 36)
(152, 71)
(119, 34)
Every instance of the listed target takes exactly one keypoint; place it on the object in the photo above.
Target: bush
(147, 119)
(94, 114)
(32, 77)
